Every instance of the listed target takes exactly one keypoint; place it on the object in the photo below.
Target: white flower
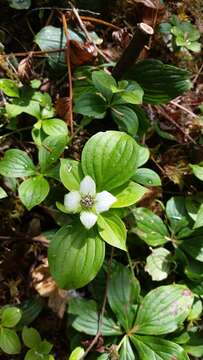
(87, 202)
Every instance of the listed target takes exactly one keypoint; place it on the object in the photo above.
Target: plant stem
(133, 50)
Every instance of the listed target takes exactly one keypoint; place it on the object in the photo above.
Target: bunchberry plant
(142, 328)
(38, 348)
(99, 187)
(9, 340)
(182, 34)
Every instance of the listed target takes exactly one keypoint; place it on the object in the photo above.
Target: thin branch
(77, 16)
(183, 108)
(133, 50)
(37, 53)
(101, 315)
(161, 111)
(99, 21)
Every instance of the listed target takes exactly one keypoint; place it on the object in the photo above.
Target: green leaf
(3, 194)
(128, 194)
(163, 310)
(194, 270)
(123, 293)
(112, 230)
(75, 256)
(143, 155)
(110, 158)
(158, 264)
(86, 318)
(194, 46)
(33, 191)
(150, 227)
(9, 87)
(160, 82)
(103, 83)
(178, 217)
(33, 354)
(193, 245)
(44, 347)
(20, 5)
(9, 341)
(126, 351)
(125, 118)
(199, 218)
(31, 337)
(50, 150)
(133, 93)
(196, 311)
(194, 347)
(29, 102)
(150, 347)
(16, 163)
(53, 38)
(77, 353)
(92, 105)
(147, 177)
(197, 170)
(54, 127)
(71, 174)
(10, 317)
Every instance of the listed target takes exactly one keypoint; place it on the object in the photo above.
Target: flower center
(87, 201)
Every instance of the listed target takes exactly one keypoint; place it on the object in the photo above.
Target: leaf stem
(100, 320)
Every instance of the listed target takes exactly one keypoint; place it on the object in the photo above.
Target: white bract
(87, 202)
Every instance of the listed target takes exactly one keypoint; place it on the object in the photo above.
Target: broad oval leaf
(150, 227)
(77, 353)
(193, 245)
(112, 230)
(110, 158)
(92, 105)
(163, 310)
(9, 341)
(123, 293)
(16, 163)
(86, 318)
(75, 256)
(128, 194)
(53, 38)
(9, 87)
(160, 82)
(150, 347)
(143, 155)
(33, 191)
(10, 317)
(71, 174)
(158, 264)
(104, 83)
(50, 150)
(147, 177)
(54, 127)
(31, 337)
(126, 119)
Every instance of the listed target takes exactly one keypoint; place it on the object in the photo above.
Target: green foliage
(184, 34)
(38, 348)
(160, 82)
(9, 340)
(100, 94)
(140, 322)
